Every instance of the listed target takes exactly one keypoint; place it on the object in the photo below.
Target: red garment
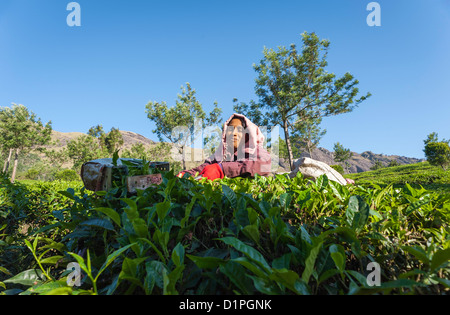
(212, 172)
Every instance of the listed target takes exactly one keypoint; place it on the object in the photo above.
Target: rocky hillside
(129, 138)
(360, 162)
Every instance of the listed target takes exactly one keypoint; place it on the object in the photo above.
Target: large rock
(313, 169)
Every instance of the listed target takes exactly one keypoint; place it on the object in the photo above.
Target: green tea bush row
(271, 235)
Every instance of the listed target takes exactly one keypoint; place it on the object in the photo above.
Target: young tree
(56, 157)
(113, 140)
(177, 124)
(21, 131)
(432, 137)
(437, 152)
(96, 131)
(342, 154)
(83, 149)
(137, 151)
(290, 83)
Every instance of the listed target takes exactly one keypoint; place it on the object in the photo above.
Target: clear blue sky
(127, 53)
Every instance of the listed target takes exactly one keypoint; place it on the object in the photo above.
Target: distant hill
(129, 138)
(360, 162)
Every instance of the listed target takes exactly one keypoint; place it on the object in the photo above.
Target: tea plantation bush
(417, 175)
(270, 235)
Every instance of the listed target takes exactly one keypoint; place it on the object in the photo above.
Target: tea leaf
(178, 255)
(338, 255)
(111, 213)
(230, 195)
(206, 262)
(236, 273)
(248, 251)
(252, 232)
(101, 223)
(358, 212)
(310, 261)
(112, 257)
(439, 258)
(27, 278)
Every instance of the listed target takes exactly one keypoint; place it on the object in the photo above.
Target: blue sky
(127, 53)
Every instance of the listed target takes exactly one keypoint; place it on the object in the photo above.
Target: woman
(240, 154)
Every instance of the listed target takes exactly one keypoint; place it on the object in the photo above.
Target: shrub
(438, 154)
(67, 175)
(32, 174)
(393, 163)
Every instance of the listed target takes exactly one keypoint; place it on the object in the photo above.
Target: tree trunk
(6, 165)
(16, 160)
(183, 157)
(288, 145)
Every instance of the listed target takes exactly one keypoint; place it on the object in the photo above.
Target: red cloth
(212, 172)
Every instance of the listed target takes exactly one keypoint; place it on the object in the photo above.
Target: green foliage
(432, 137)
(95, 145)
(183, 123)
(56, 158)
(113, 141)
(341, 154)
(338, 168)
(136, 151)
(21, 131)
(26, 208)
(438, 153)
(96, 132)
(393, 163)
(32, 174)
(420, 174)
(160, 152)
(67, 175)
(83, 149)
(273, 235)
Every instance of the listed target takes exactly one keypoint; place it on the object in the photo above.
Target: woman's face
(236, 132)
